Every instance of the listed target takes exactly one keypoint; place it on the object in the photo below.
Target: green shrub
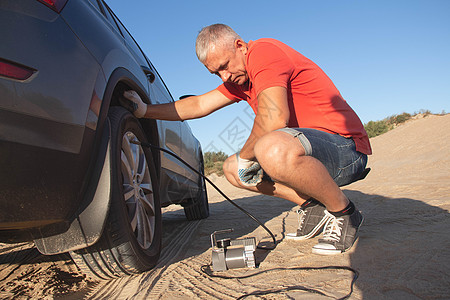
(425, 112)
(399, 119)
(375, 128)
(214, 162)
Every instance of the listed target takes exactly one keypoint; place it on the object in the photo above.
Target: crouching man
(306, 141)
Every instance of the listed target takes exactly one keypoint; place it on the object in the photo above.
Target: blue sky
(385, 57)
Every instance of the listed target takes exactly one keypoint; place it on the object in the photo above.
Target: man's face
(229, 64)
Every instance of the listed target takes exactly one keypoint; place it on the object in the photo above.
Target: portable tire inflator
(239, 253)
(232, 254)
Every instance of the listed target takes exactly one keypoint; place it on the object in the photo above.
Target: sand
(403, 251)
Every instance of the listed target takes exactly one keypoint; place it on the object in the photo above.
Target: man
(306, 141)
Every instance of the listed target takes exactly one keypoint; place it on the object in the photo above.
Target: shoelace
(301, 218)
(332, 231)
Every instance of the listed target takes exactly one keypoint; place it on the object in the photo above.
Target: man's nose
(225, 75)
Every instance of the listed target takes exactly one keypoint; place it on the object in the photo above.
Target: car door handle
(149, 73)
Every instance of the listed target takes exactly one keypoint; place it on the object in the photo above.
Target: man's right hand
(134, 103)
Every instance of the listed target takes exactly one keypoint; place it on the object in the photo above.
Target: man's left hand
(250, 172)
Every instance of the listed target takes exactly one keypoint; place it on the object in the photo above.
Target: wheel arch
(121, 80)
(88, 224)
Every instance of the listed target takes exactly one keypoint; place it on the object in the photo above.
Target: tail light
(15, 71)
(56, 5)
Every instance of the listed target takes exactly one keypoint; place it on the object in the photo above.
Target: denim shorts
(337, 153)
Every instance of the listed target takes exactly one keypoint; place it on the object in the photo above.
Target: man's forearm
(184, 109)
(273, 114)
(165, 111)
(247, 151)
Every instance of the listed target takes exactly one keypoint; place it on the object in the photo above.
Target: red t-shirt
(314, 102)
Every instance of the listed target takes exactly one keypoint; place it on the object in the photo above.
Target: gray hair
(213, 36)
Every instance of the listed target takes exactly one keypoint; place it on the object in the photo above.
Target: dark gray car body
(54, 129)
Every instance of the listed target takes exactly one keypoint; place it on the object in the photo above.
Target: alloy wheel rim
(138, 190)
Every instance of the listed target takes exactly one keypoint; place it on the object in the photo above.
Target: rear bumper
(41, 189)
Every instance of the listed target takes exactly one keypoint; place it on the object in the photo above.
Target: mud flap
(87, 227)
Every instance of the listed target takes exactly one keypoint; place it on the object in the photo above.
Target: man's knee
(276, 149)
(278, 146)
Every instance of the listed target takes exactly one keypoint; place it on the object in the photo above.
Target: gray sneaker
(310, 222)
(339, 234)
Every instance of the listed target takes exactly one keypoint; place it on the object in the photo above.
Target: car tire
(131, 240)
(199, 209)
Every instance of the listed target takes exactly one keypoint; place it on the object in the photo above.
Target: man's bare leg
(297, 177)
(283, 158)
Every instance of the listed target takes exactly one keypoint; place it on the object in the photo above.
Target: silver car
(73, 175)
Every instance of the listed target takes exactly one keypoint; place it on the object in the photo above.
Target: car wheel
(131, 240)
(199, 209)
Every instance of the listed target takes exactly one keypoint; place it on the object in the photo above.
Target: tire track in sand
(135, 285)
(188, 279)
(26, 273)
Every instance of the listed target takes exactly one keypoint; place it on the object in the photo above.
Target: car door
(190, 150)
(173, 180)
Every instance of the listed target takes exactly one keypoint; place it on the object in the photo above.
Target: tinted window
(130, 42)
(110, 18)
(95, 3)
(160, 85)
(160, 93)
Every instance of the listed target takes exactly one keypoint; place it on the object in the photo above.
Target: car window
(95, 3)
(160, 85)
(160, 92)
(129, 40)
(107, 14)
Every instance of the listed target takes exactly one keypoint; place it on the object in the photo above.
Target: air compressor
(230, 253)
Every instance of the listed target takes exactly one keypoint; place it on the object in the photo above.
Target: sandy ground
(403, 251)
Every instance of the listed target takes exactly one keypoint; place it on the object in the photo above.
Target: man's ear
(241, 46)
